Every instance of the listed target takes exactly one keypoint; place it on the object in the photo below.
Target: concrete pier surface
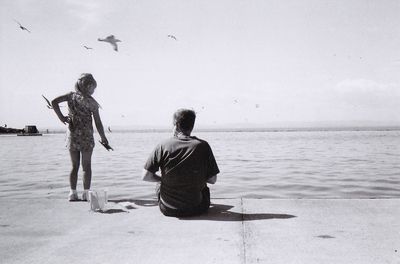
(233, 231)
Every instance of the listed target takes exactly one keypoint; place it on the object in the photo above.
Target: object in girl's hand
(48, 102)
(108, 147)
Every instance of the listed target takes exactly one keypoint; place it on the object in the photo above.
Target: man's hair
(184, 119)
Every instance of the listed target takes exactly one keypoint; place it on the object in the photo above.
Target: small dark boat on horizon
(30, 131)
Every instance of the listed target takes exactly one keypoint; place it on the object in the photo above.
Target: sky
(236, 63)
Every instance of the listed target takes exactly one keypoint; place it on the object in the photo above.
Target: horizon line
(242, 129)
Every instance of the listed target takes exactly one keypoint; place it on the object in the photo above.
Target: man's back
(186, 163)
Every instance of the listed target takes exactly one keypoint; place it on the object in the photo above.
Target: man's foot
(73, 196)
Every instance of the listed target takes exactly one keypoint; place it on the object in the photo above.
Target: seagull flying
(112, 40)
(48, 102)
(172, 36)
(86, 47)
(21, 26)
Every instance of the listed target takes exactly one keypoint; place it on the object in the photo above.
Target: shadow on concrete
(220, 212)
(139, 202)
(129, 205)
(113, 211)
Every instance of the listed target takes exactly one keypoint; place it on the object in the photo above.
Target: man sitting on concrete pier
(187, 164)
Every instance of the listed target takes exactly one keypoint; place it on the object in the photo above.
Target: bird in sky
(172, 37)
(48, 102)
(22, 27)
(86, 47)
(112, 40)
(109, 129)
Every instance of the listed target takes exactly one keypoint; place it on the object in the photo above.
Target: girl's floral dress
(81, 108)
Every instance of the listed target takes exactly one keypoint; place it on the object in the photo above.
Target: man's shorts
(201, 208)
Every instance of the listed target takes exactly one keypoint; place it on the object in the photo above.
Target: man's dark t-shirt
(186, 164)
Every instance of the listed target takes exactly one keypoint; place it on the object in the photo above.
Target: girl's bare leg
(73, 176)
(87, 168)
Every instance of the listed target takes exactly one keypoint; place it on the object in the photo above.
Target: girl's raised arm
(55, 103)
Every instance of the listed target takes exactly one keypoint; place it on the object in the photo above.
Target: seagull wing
(24, 28)
(18, 23)
(21, 26)
(173, 37)
(114, 45)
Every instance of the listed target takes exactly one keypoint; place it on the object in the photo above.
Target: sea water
(258, 164)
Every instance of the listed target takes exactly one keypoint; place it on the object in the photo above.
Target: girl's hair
(83, 83)
(81, 86)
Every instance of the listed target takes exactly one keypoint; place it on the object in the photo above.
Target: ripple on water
(338, 164)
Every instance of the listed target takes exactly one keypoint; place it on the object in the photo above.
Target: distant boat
(9, 130)
(29, 131)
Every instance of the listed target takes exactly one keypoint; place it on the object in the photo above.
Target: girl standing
(82, 106)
